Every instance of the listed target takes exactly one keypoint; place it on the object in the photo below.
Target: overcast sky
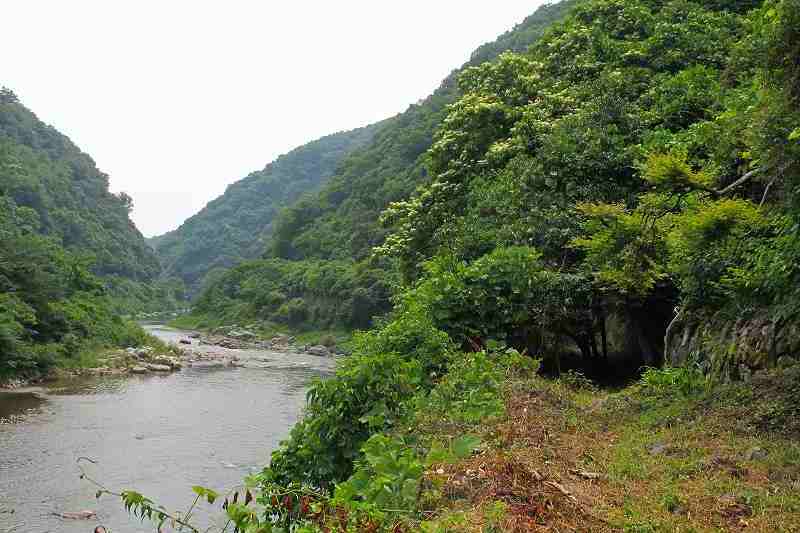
(175, 99)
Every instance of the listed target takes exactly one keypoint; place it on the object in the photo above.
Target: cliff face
(733, 349)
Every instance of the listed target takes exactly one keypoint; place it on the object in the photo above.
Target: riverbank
(337, 340)
(267, 335)
(151, 354)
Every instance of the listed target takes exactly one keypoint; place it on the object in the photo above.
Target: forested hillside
(70, 258)
(335, 230)
(45, 171)
(236, 226)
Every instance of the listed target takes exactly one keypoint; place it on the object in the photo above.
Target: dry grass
(595, 462)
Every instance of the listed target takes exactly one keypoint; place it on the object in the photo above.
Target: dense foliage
(638, 164)
(299, 295)
(644, 146)
(342, 220)
(235, 226)
(41, 169)
(71, 261)
(51, 306)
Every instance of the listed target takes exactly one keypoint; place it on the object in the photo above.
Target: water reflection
(17, 404)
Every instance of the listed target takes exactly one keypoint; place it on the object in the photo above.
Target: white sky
(176, 99)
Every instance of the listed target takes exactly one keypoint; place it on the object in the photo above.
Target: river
(158, 435)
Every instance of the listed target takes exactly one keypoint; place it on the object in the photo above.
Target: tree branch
(766, 191)
(740, 181)
(668, 333)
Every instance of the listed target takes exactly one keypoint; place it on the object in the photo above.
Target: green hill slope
(45, 171)
(342, 220)
(234, 226)
(71, 260)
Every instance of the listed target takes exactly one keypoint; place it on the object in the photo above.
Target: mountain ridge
(232, 227)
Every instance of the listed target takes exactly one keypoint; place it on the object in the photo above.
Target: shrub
(669, 381)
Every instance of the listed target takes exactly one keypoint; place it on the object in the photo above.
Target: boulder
(194, 335)
(139, 370)
(158, 368)
(142, 352)
(658, 449)
(319, 351)
(280, 340)
(185, 341)
(733, 349)
(241, 334)
(756, 454)
(174, 364)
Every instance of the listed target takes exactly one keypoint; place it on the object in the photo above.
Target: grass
(96, 355)
(672, 455)
(88, 357)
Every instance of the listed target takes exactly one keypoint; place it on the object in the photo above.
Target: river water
(158, 435)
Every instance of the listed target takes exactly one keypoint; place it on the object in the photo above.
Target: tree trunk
(668, 334)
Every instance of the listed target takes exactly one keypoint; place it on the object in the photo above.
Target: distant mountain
(43, 170)
(235, 226)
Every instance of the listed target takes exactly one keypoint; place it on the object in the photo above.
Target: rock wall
(732, 349)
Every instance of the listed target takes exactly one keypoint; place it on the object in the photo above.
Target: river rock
(78, 515)
(194, 335)
(139, 370)
(158, 368)
(174, 364)
(140, 352)
(658, 449)
(756, 454)
(241, 334)
(185, 341)
(280, 340)
(319, 350)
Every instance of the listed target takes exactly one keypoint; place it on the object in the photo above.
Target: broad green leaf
(463, 446)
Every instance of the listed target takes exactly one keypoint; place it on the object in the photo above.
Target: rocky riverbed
(236, 337)
(218, 349)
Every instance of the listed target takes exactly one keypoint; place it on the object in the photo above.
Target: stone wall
(732, 349)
